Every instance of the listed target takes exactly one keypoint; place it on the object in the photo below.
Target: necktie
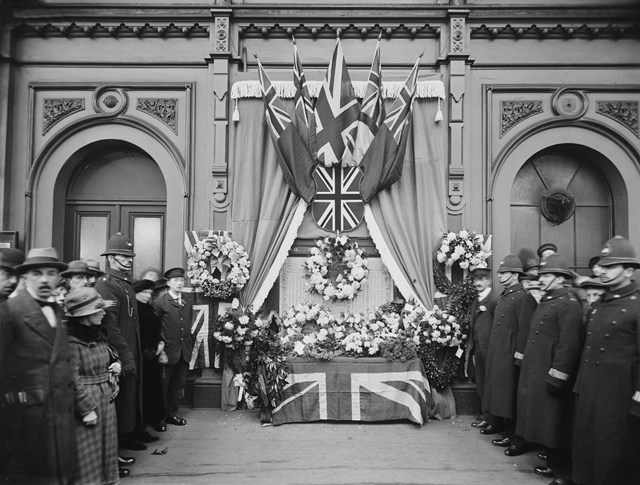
(50, 304)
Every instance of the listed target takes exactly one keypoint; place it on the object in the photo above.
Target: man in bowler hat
(175, 310)
(606, 436)
(9, 259)
(37, 439)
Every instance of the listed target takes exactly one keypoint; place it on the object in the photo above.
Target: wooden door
(578, 182)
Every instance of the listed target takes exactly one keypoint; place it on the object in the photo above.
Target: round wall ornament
(557, 205)
(336, 268)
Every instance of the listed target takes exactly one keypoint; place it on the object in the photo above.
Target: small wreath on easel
(337, 255)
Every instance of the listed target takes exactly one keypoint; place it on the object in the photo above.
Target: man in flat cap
(37, 439)
(9, 259)
(547, 249)
(606, 436)
(175, 310)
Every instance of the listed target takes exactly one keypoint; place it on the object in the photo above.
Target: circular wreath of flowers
(218, 265)
(331, 252)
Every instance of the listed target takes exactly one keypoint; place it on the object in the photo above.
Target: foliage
(440, 364)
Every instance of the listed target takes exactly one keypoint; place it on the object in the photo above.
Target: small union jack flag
(304, 118)
(337, 205)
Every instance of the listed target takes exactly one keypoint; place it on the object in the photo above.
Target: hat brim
(23, 268)
(511, 270)
(71, 272)
(119, 252)
(611, 261)
(556, 271)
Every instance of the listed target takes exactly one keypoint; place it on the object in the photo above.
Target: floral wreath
(465, 247)
(218, 265)
(331, 253)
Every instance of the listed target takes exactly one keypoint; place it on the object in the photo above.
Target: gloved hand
(129, 368)
(553, 390)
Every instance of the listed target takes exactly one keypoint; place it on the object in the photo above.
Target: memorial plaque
(377, 290)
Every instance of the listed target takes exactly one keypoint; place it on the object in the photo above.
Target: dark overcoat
(153, 407)
(36, 393)
(123, 333)
(480, 329)
(551, 358)
(509, 333)
(606, 438)
(176, 326)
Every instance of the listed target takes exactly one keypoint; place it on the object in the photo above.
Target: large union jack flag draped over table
(372, 111)
(382, 163)
(348, 390)
(305, 119)
(337, 205)
(293, 156)
(336, 114)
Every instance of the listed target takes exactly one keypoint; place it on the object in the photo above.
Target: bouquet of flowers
(237, 327)
(466, 248)
(311, 331)
(439, 327)
(338, 254)
(218, 265)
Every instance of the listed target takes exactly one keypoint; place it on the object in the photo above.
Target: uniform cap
(546, 246)
(480, 271)
(10, 258)
(119, 244)
(618, 250)
(511, 264)
(174, 273)
(555, 264)
(83, 301)
(77, 267)
(41, 258)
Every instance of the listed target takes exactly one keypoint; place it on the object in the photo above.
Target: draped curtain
(408, 219)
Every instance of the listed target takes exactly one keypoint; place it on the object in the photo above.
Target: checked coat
(551, 359)
(509, 333)
(606, 438)
(36, 394)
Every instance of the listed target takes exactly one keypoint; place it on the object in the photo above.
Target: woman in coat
(95, 388)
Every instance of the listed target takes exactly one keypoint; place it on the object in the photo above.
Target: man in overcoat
(509, 333)
(37, 439)
(176, 312)
(481, 311)
(549, 367)
(9, 259)
(606, 437)
(123, 333)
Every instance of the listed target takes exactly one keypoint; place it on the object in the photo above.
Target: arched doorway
(560, 195)
(116, 187)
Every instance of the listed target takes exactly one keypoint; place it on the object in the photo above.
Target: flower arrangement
(237, 327)
(218, 265)
(435, 326)
(340, 254)
(465, 247)
(311, 331)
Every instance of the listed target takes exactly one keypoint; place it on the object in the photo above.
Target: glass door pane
(94, 233)
(147, 237)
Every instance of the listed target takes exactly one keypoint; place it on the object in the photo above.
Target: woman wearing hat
(95, 389)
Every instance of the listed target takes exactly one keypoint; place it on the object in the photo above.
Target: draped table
(354, 389)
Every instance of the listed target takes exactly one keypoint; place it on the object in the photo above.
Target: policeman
(548, 370)
(606, 437)
(509, 333)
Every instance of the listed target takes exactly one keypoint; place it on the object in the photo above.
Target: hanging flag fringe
(287, 90)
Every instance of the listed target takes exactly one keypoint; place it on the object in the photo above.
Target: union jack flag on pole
(382, 163)
(336, 113)
(372, 110)
(292, 154)
(305, 119)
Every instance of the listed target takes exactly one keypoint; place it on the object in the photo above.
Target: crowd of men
(39, 420)
(557, 361)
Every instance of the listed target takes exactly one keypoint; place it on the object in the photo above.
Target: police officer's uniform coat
(36, 392)
(123, 333)
(509, 333)
(551, 358)
(482, 312)
(606, 439)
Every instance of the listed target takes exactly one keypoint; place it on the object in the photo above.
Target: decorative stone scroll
(56, 109)
(513, 112)
(164, 109)
(624, 112)
(377, 290)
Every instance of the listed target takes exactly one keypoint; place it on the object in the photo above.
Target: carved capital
(624, 112)
(56, 109)
(513, 112)
(164, 109)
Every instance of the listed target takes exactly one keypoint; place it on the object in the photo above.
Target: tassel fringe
(287, 90)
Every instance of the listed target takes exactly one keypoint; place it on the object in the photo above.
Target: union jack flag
(382, 163)
(350, 391)
(336, 113)
(372, 111)
(337, 205)
(305, 120)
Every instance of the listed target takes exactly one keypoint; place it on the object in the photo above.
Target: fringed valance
(286, 89)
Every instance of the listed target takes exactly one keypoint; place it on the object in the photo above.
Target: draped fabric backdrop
(408, 219)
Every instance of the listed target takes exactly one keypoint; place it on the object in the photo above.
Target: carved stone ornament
(569, 103)
(222, 34)
(557, 205)
(56, 109)
(110, 101)
(513, 112)
(164, 109)
(457, 35)
(624, 112)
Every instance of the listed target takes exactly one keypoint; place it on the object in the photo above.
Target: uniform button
(586, 360)
(588, 333)
(623, 310)
(537, 331)
(597, 362)
(606, 335)
(588, 346)
(614, 322)
(601, 349)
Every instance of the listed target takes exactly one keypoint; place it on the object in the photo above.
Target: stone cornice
(557, 31)
(105, 30)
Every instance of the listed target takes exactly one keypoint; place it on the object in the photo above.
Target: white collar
(484, 293)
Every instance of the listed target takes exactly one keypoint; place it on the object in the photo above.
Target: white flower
(299, 348)
(463, 234)
(229, 326)
(243, 319)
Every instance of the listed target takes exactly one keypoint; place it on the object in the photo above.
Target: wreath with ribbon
(218, 265)
(340, 256)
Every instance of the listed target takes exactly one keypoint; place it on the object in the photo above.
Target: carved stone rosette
(457, 35)
(164, 109)
(56, 109)
(624, 112)
(222, 34)
(513, 112)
